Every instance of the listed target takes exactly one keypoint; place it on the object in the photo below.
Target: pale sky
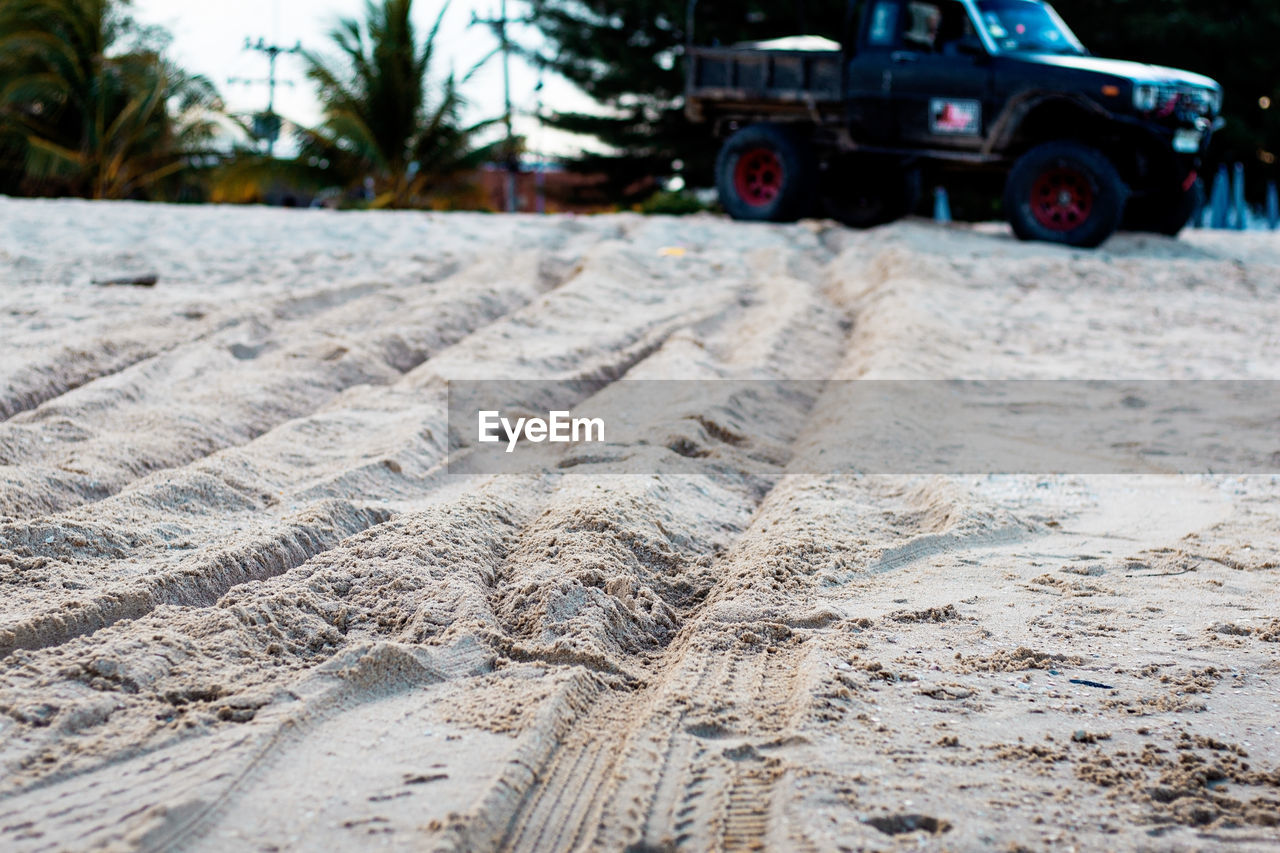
(208, 38)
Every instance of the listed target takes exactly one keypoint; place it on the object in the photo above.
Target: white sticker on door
(948, 117)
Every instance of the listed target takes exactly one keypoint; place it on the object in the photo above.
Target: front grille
(1186, 102)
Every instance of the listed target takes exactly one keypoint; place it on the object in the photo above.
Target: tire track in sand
(275, 602)
(693, 757)
(198, 582)
(67, 369)
(689, 758)
(225, 389)
(162, 799)
(633, 734)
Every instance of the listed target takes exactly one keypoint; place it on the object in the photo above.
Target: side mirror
(970, 46)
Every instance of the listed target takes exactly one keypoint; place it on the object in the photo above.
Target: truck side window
(923, 20)
(882, 26)
(933, 27)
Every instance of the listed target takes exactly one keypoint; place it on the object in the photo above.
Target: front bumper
(1168, 155)
(1190, 139)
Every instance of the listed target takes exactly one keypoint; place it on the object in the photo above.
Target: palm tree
(100, 111)
(382, 121)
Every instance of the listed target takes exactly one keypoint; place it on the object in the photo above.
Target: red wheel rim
(1062, 199)
(758, 177)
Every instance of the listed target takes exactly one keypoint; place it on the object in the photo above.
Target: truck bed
(729, 79)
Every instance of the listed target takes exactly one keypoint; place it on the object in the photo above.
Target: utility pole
(512, 160)
(540, 175)
(267, 125)
(513, 165)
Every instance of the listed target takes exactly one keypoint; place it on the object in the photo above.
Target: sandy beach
(244, 604)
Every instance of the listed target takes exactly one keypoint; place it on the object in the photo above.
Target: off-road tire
(1065, 192)
(863, 192)
(766, 173)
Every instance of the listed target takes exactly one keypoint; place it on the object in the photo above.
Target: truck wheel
(765, 174)
(1065, 192)
(863, 192)
(1163, 213)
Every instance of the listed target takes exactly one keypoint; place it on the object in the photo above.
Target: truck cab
(1084, 144)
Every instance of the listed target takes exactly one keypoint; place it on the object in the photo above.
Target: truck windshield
(1027, 26)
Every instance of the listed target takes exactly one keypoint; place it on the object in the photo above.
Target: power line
(266, 125)
(499, 25)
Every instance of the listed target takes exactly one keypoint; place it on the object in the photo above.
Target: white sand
(245, 607)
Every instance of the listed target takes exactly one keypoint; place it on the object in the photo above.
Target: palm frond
(99, 110)
(382, 119)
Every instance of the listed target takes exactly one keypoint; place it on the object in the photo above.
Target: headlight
(1146, 98)
(1203, 102)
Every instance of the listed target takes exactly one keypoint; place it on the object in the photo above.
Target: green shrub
(680, 203)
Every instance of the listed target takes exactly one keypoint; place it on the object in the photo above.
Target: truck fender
(1006, 127)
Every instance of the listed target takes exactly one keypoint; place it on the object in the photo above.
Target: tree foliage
(383, 121)
(89, 106)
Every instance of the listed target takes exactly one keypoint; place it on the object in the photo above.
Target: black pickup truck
(1084, 145)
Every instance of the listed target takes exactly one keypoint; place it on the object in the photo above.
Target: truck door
(941, 84)
(871, 117)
